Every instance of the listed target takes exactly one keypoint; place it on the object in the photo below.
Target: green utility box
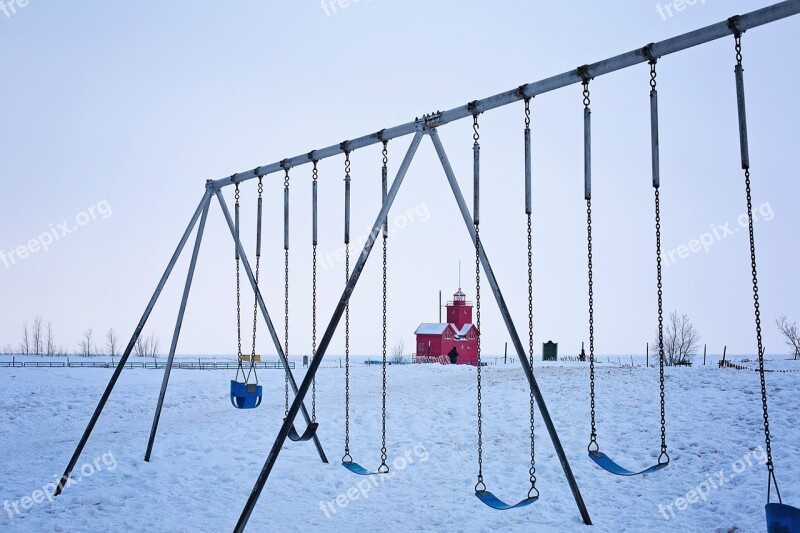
(550, 351)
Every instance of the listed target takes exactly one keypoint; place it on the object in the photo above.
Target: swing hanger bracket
(735, 25)
(647, 52)
(381, 137)
(344, 147)
(311, 156)
(432, 120)
(472, 107)
(584, 73)
(522, 94)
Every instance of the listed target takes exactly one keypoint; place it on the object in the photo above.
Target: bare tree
(50, 340)
(25, 344)
(37, 336)
(112, 342)
(790, 334)
(153, 343)
(87, 348)
(398, 352)
(8, 350)
(681, 340)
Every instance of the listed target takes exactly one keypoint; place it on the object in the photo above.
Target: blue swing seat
(245, 395)
(360, 470)
(605, 462)
(782, 518)
(496, 503)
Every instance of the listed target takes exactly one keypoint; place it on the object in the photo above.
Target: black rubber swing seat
(307, 435)
(782, 518)
(496, 503)
(607, 464)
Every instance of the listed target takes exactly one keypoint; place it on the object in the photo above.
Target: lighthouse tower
(459, 311)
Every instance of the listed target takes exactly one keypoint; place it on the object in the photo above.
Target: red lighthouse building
(436, 340)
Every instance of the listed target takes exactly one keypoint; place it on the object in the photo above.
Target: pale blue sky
(128, 107)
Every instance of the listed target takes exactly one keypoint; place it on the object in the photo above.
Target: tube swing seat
(499, 505)
(245, 395)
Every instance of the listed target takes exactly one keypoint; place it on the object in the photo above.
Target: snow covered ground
(207, 454)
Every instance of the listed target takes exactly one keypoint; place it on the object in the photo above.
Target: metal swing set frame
(425, 126)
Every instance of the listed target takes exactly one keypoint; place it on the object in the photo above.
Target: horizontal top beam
(738, 24)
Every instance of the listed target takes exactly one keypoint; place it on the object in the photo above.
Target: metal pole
(275, 340)
(682, 42)
(326, 338)
(121, 365)
(178, 324)
(512, 330)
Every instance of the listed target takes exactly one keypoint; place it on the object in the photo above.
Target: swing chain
(255, 299)
(664, 457)
(738, 48)
(480, 485)
(347, 458)
(238, 297)
(586, 99)
(384, 468)
(532, 470)
(593, 446)
(653, 74)
(315, 175)
(757, 307)
(286, 310)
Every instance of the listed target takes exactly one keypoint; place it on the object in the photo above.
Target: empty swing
(347, 459)
(600, 458)
(481, 492)
(781, 518)
(311, 429)
(246, 395)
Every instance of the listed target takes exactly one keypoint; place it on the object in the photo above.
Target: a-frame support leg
(126, 354)
(177, 332)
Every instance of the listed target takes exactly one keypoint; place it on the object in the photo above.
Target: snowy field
(207, 454)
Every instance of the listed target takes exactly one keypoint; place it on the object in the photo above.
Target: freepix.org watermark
(717, 233)
(667, 10)
(106, 462)
(713, 482)
(56, 232)
(418, 213)
(332, 7)
(9, 7)
(362, 489)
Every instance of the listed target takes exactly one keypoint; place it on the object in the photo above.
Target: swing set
(247, 393)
